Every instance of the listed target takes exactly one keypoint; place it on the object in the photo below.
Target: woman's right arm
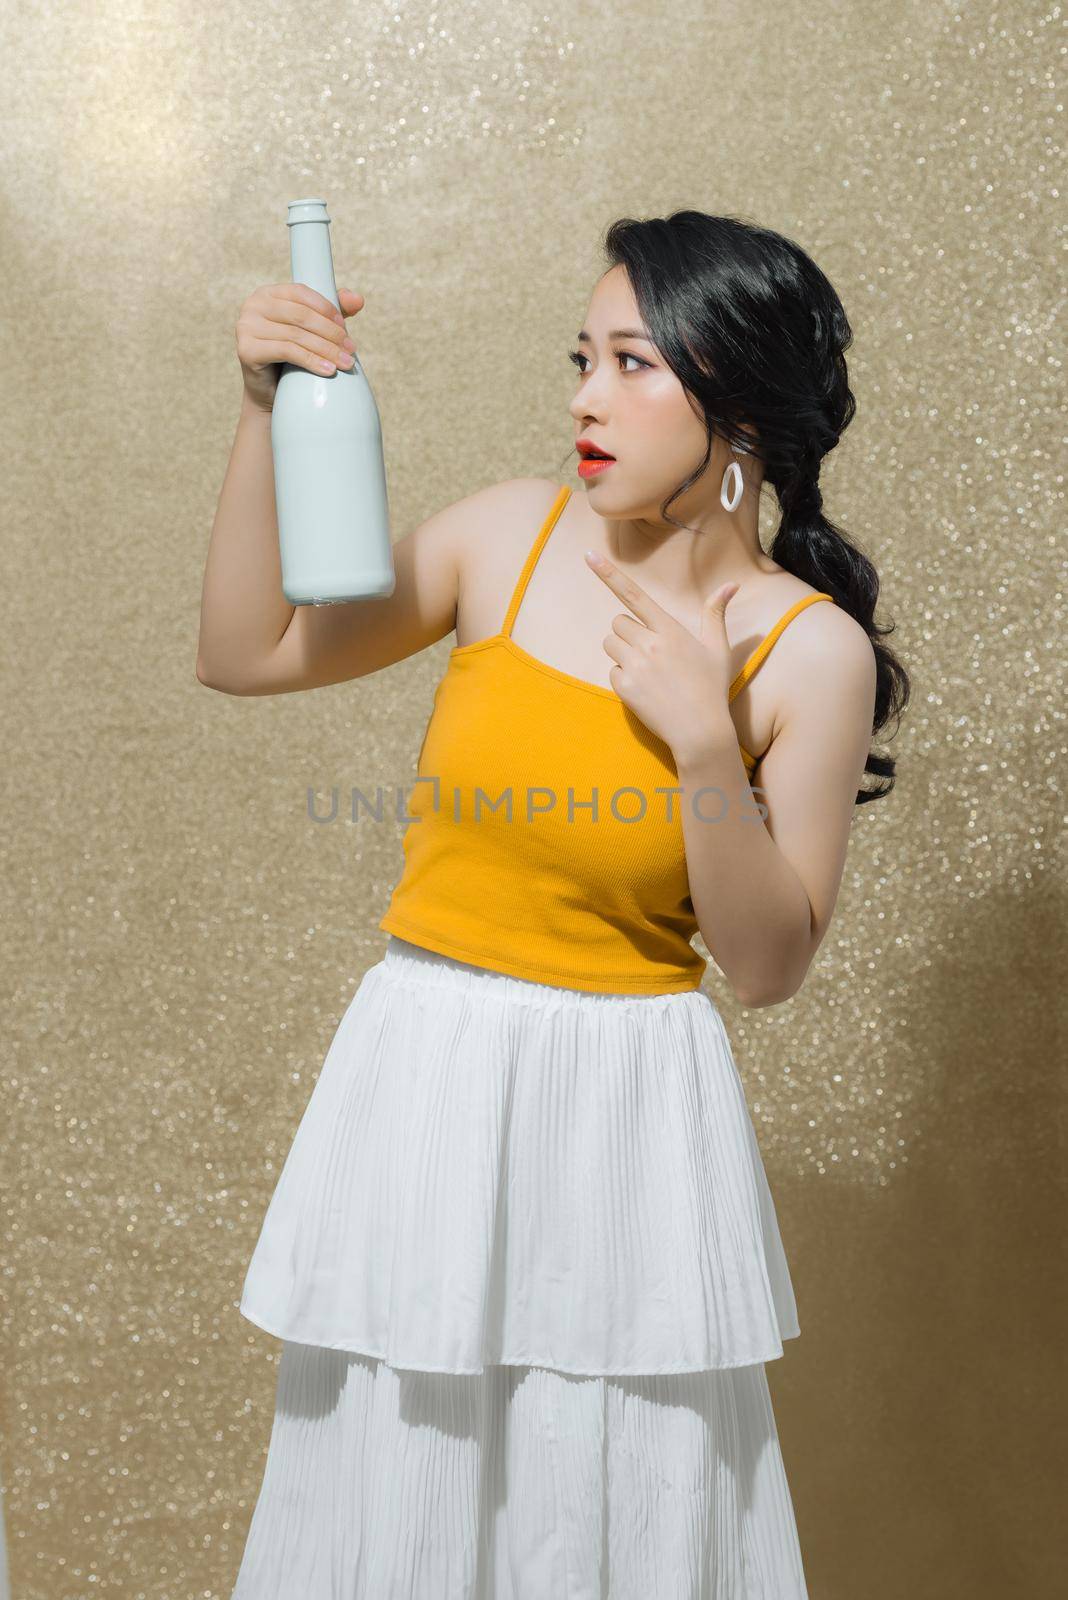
(243, 611)
(253, 641)
(319, 645)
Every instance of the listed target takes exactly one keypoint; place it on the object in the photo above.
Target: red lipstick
(595, 459)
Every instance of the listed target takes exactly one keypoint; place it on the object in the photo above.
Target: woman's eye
(578, 357)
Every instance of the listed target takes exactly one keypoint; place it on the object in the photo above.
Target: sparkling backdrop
(179, 940)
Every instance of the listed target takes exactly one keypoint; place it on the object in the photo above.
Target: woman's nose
(584, 404)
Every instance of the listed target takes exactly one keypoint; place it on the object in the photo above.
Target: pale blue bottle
(329, 470)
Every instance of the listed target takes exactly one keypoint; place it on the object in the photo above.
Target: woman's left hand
(677, 682)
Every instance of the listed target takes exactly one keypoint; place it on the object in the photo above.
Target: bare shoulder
(817, 632)
(820, 663)
(832, 640)
(489, 513)
(827, 672)
(497, 530)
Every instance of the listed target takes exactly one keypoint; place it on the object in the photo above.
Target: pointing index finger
(632, 594)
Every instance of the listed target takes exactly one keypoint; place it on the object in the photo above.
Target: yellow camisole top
(546, 838)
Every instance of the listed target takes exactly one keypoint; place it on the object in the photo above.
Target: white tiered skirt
(526, 1269)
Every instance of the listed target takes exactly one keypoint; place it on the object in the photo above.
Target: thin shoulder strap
(769, 639)
(532, 558)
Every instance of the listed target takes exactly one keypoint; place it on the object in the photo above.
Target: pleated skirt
(526, 1270)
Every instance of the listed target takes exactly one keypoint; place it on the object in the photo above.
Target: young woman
(522, 1255)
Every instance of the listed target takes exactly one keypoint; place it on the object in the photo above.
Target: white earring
(735, 499)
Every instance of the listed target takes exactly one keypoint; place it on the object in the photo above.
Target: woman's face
(629, 403)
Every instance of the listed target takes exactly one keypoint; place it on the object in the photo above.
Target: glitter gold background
(179, 941)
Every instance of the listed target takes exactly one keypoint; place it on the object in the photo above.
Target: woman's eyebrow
(618, 333)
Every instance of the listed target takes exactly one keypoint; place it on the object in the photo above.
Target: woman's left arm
(764, 887)
(763, 878)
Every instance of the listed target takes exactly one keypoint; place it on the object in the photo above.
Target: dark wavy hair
(757, 335)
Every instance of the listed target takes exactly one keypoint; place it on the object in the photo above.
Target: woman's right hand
(291, 322)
